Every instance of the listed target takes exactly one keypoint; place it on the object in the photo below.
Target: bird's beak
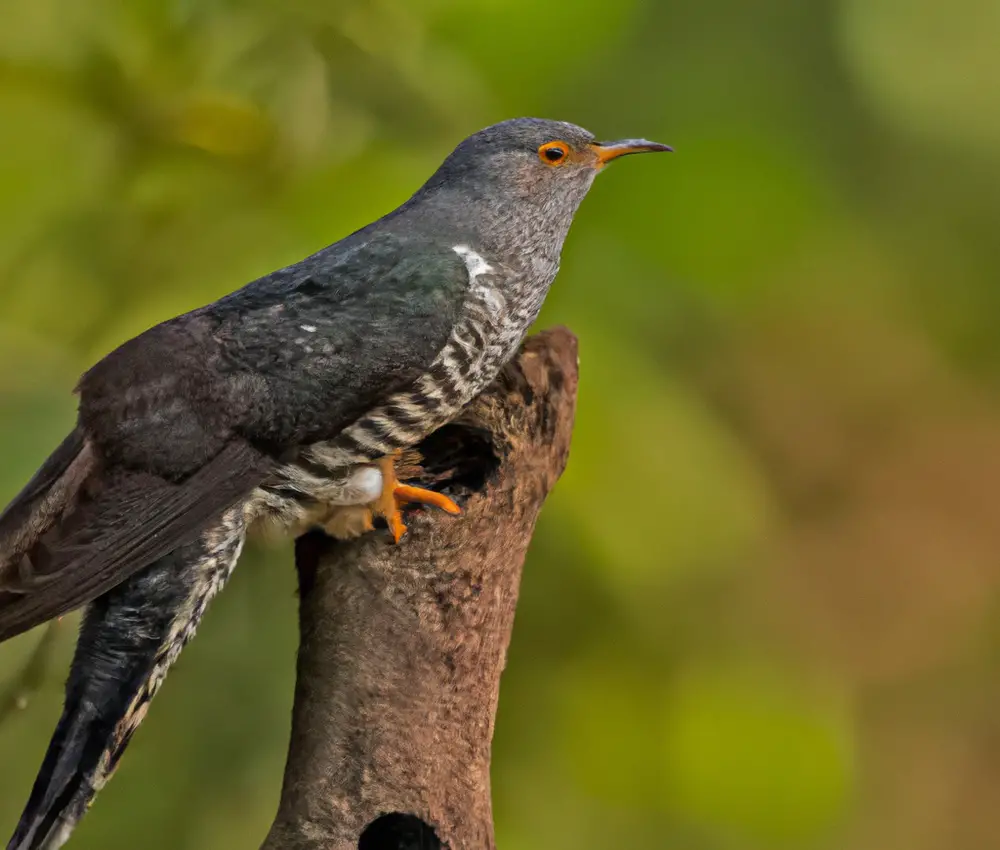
(607, 151)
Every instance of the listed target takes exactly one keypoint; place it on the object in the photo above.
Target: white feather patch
(474, 262)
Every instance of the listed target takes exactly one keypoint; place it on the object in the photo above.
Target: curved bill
(607, 151)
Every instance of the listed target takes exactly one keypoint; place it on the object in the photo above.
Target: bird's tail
(129, 638)
(64, 787)
(45, 500)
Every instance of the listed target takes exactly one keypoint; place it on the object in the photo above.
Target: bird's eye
(553, 153)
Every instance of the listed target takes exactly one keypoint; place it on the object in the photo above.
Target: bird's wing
(290, 359)
(44, 499)
(186, 419)
(310, 350)
(131, 521)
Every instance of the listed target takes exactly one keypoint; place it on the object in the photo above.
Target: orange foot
(395, 495)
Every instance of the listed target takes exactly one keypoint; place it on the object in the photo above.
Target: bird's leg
(395, 495)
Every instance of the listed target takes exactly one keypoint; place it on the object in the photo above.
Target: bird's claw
(395, 495)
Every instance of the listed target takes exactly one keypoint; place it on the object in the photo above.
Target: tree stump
(402, 647)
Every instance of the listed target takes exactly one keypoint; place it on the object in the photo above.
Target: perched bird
(284, 403)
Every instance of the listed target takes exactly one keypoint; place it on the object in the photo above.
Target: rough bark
(402, 647)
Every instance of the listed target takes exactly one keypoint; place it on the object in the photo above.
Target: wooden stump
(402, 647)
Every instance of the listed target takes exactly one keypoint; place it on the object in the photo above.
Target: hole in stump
(460, 458)
(398, 831)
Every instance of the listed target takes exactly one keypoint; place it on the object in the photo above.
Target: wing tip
(45, 498)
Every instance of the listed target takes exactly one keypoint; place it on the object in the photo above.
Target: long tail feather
(129, 638)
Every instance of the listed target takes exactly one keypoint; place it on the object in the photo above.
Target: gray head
(531, 158)
(522, 176)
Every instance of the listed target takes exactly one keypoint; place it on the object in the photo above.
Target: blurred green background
(760, 610)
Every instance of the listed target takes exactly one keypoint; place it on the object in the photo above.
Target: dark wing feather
(47, 475)
(132, 522)
(44, 499)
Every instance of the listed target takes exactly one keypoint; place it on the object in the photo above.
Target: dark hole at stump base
(397, 831)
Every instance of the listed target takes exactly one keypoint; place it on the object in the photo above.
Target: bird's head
(534, 160)
(516, 186)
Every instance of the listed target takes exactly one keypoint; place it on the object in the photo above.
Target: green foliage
(739, 740)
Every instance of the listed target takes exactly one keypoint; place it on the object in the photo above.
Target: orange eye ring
(554, 153)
